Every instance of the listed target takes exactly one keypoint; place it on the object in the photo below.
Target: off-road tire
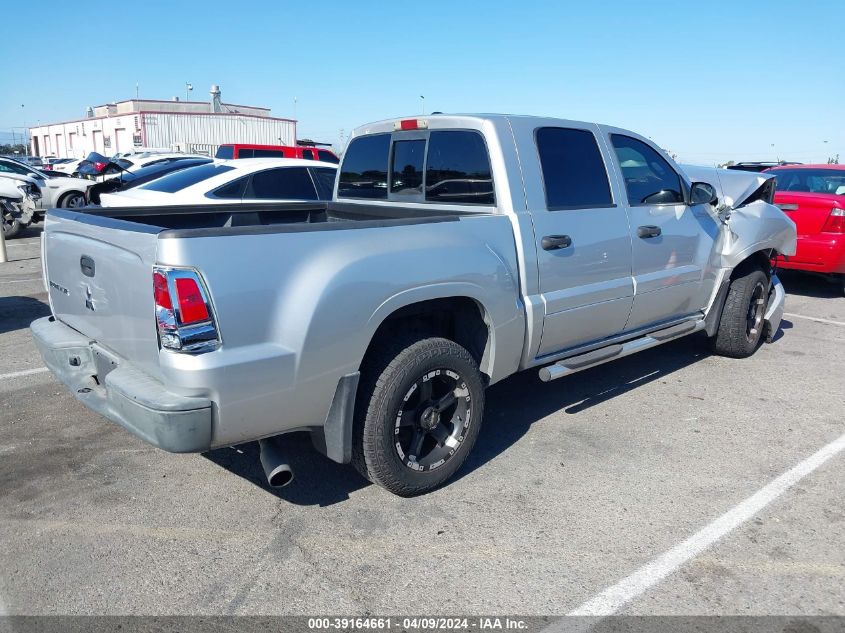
(736, 337)
(386, 377)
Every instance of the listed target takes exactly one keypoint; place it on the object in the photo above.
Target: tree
(833, 160)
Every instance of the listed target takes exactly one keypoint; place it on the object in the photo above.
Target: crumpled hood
(734, 186)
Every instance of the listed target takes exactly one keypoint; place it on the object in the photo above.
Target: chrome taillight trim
(194, 338)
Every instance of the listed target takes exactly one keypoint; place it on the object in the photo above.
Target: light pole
(422, 102)
(25, 135)
(294, 108)
(188, 88)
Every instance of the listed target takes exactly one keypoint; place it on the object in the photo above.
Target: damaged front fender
(750, 223)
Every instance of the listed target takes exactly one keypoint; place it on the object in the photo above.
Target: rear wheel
(418, 414)
(741, 326)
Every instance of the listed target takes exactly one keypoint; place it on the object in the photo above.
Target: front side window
(574, 174)
(364, 170)
(649, 179)
(246, 153)
(406, 171)
(178, 180)
(284, 183)
(458, 169)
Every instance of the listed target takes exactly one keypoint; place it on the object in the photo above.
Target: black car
(129, 179)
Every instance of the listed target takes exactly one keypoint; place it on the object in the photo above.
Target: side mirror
(703, 193)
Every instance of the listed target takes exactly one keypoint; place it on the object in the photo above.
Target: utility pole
(188, 88)
(25, 135)
(137, 91)
(422, 100)
(294, 108)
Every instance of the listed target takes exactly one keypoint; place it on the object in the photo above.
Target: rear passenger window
(285, 183)
(649, 179)
(364, 169)
(266, 153)
(574, 174)
(406, 172)
(234, 190)
(307, 154)
(458, 169)
(327, 157)
(246, 153)
(324, 179)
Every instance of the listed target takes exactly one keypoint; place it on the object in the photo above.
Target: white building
(189, 126)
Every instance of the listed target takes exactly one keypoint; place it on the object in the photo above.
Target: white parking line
(25, 372)
(20, 281)
(809, 318)
(617, 596)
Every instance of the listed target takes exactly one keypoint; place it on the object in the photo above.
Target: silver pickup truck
(456, 251)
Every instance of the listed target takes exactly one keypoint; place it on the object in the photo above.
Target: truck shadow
(16, 313)
(513, 405)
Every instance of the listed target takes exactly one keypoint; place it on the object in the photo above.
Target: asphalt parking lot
(573, 486)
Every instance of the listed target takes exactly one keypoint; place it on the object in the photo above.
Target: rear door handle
(554, 242)
(648, 231)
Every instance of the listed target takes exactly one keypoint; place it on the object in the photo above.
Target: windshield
(830, 181)
(171, 183)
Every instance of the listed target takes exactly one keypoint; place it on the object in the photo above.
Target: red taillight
(182, 309)
(160, 291)
(192, 307)
(835, 221)
(100, 166)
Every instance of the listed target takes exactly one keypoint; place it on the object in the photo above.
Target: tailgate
(99, 277)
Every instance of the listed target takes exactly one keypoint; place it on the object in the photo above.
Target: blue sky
(709, 81)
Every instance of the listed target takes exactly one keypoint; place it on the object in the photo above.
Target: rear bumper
(112, 387)
(818, 253)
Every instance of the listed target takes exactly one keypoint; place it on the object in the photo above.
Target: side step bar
(574, 364)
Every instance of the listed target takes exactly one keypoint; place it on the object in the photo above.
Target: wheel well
(760, 259)
(459, 319)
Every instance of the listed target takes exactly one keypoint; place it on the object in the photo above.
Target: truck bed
(243, 219)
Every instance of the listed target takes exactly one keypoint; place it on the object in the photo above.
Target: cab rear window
(443, 166)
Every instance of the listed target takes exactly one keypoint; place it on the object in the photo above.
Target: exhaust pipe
(274, 461)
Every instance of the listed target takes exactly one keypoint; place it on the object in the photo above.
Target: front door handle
(648, 231)
(554, 242)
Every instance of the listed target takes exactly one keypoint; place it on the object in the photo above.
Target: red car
(814, 197)
(248, 150)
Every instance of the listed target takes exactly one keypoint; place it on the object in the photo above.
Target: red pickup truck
(247, 150)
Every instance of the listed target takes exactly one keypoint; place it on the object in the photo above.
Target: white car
(233, 182)
(56, 191)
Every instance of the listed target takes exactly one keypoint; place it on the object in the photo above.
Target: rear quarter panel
(297, 311)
